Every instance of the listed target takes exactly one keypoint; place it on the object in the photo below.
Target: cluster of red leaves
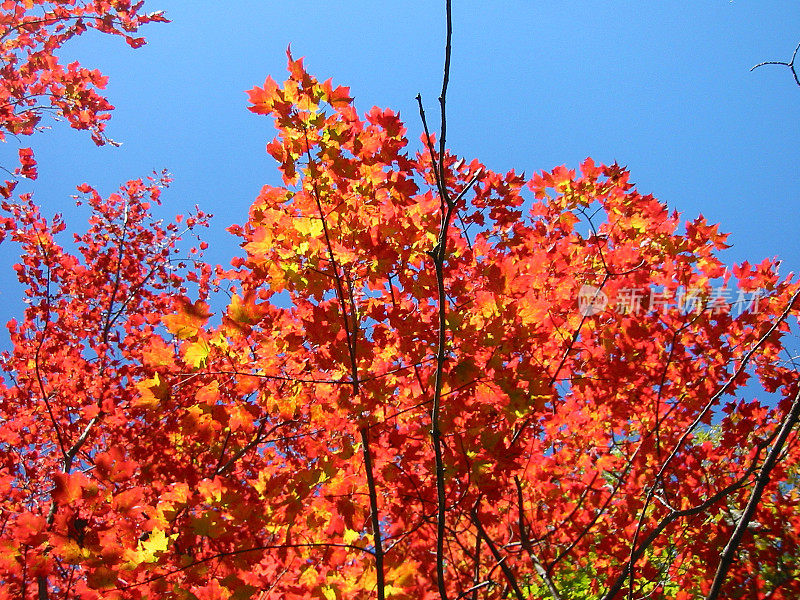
(73, 443)
(150, 452)
(34, 82)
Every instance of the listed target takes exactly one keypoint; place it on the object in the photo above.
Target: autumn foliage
(35, 83)
(264, 429)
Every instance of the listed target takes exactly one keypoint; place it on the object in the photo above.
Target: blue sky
(663, 87)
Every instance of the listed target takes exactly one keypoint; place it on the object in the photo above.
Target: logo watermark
(591, 300)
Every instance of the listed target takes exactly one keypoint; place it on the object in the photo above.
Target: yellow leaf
(351, 536)
(330, 593)
(156, 543)
(151, 392)
(311, 227)
(189, 319)
(196, 354)
(638, 223)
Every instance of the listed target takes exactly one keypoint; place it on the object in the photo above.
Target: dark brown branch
(669, 519)
(117, 281)
(294, 379)
(46, 21)
(350, 322)
(712, 401)
(36, 361)
(259, 438)
(477, 571)
(789, 64)
(374, 517)
(349, 334)
(528, 547)
(573, 341)
(500, 560)
(443, 97)
(438, 255)
(243, 551)
(762, 479)
(474, 589)
(434, 163)
(41, 582)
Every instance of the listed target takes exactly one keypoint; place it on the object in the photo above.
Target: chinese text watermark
(593, 300)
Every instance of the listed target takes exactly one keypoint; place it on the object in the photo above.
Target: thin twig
(443, 96)
(789, 64)
(243, 551)
(474, 589)
(477, 570)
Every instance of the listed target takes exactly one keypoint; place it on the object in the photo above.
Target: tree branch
(789, 421)
(501, 560)
(374, 517)
(438, 254)
(350, 322)
(528, 547)
(789, 64)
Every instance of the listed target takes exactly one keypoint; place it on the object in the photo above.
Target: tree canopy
(419, 379)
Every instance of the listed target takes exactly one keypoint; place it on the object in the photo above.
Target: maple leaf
(195, 354)
(156, 543)
(189, 319)
(101, 578)
(244, 311)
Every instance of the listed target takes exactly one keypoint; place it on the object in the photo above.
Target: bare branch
(243, 551)
(438, 255)
(443, 97)
(789, 64)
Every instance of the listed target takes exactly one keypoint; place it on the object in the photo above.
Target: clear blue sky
(663, 87)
